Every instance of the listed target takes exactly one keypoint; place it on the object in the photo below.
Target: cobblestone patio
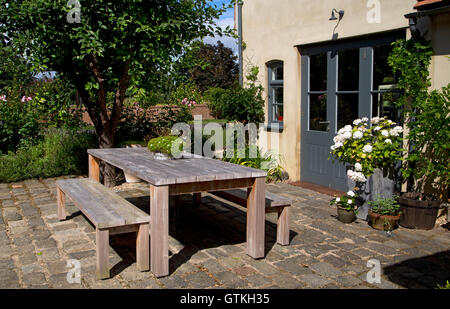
(208, 246)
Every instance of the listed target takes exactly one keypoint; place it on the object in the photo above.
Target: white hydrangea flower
(385, 133)
(399, 129)
(358, 167)
(356, 176)
(349, 201)
(357, 135)
(377, 128)
(388, 141)
(357, 122)
(338, 199)
(347, 134)
(351, 193)
(364, 119)
(375, 120)
(338, 145)
(367, 149)
(338, 138)
(348, 128)
(341, 131)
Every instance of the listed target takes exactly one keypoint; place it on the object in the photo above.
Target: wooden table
(182, 176)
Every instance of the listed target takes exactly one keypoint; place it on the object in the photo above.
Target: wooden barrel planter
(417, 214)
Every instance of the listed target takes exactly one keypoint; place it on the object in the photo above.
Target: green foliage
(238, 103)
(385, 206)
(171, 145)
(445, 286)
(268, 162)
(115, 45)
(427, 113)
(211, 66)
(368, 148)
(61, 152)
(19, 123)
(347, 202)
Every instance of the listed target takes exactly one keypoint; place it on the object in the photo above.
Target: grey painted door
(341, 81)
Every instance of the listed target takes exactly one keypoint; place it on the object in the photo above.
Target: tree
(211, 66)
(103, 46)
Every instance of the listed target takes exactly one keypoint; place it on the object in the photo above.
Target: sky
(226, 19)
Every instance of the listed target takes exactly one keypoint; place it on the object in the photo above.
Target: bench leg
(159, 230)
(283, 226)
(61, 198)
(94, 168)
(197, 198)
(102, 243)
(142, 248)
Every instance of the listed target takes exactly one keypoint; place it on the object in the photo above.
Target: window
(276, 93)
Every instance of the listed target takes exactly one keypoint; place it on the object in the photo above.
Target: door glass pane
(318, 72)
(382, 73)
(383, 105)
(278, 94)
(318, 112)
(348, 68)
(347, 109)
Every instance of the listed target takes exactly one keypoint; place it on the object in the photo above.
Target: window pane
(382, 72)
(278, 112)
(347, 109)
(318, 112)
(278, 95)
(277, 73)
(383, 105)
(348, 68)
(318, 72)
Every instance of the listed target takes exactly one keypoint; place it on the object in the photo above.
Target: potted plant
(370, 150)
(131, 144)
(384, 214)
(426, 167)
(166, 147)
(346, 207)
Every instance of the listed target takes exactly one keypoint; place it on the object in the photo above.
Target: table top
(140, 163)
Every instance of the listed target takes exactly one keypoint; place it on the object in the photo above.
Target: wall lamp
(340, 12)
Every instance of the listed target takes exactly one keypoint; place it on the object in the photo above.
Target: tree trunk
(108, 171)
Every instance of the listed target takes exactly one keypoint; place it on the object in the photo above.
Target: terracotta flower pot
(383, 222)
(345, 216)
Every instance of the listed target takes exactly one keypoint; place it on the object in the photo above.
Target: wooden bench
(274, 203)
(111, 215)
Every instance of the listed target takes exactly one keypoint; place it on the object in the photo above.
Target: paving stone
(199, 280)
(34, 279)
(11, 214)
(9, 280)
(31, 268)
(174, 282)
(212, 266)
(145, 284)
(325, 269)
(347, 281)
(244, 271)
(230, 280)
(6, 264)
(314, 281)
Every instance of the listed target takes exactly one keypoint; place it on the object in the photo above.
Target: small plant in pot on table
(384, 214)
(346, 207)
(166, 147)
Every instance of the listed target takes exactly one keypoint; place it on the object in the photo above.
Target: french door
(341, 81)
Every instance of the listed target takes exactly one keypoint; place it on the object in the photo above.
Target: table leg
(94, 168)
(256, 219)
(159, 230)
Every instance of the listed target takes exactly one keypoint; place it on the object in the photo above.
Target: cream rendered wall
(272, 29)
(440, 38)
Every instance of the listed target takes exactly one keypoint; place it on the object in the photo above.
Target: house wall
(272, 29)
(440, 38)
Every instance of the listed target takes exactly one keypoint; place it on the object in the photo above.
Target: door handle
(324, 122)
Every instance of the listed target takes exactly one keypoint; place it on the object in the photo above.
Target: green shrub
(385, 206)
(61, 152)
(268, 162)
(165, 145)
